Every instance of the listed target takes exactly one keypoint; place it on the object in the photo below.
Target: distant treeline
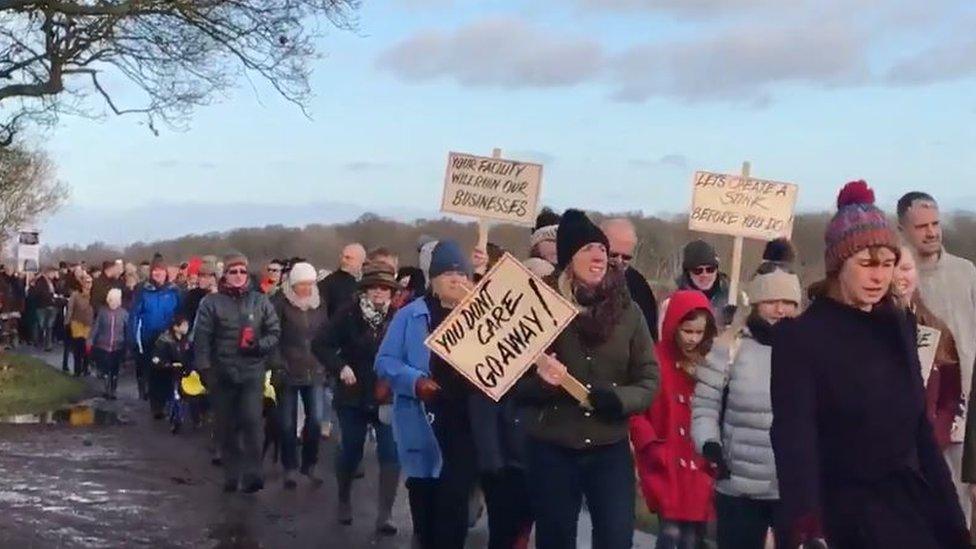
(659, 255)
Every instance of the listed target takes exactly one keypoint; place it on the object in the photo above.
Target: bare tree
(179, 54)
(28, 188)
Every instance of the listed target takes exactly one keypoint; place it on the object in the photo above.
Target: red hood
(680, 304)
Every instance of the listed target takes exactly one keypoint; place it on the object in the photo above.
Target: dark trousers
(353, 424)
(109, 363)
(80, 355)
(161, 387)
(558, 480)
(44, 327)
(509, 508)
(238, 407)
(143, 365)
(439, 507)
(312, 431)
(743, 522)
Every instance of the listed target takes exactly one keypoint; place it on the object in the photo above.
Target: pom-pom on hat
(857, 225)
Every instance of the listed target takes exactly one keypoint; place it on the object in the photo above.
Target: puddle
(75, 416)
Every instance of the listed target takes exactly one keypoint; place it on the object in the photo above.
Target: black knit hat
(698, 253)
(576, 231)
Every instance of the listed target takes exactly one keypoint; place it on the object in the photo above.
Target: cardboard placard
(498, 331)
(742, 206)
(928, 344)
(492, 188)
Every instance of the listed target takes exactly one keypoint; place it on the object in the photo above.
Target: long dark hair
(690, 361)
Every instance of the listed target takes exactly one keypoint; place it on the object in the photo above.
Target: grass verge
(28, 385)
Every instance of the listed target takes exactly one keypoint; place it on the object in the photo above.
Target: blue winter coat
(152, 313)
(402, 360)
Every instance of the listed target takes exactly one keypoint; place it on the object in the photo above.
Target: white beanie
(774, 286)
(114, 298)
(302, 272)
(542, 234)
(539, 267)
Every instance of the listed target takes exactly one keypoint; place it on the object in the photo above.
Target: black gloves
(713, 453)
(606, 403)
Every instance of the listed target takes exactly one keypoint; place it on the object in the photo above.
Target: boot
(388, 485)
(290, 483)
(344, 481)
(309, 472)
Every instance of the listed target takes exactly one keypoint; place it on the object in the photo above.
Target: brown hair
(696, 357)
(830, 286)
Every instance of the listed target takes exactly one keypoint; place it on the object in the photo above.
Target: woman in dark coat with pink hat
(857, 462)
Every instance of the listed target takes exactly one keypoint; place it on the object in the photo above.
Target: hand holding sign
(497, 332)
(550, 369)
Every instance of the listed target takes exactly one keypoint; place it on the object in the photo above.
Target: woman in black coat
(348, 347)
(857, 461)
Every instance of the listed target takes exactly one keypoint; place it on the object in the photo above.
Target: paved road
(136, 485)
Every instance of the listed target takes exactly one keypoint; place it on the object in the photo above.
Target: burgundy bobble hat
(857, 225)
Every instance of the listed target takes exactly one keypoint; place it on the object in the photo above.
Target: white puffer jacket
(744, 433)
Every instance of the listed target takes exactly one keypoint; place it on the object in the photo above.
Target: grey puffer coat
(744, 430)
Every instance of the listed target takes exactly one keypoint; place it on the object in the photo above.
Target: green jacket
(625, 361)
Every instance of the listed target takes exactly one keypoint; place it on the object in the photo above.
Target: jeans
(353, 424)
(681, 535)
(44, 326)
(743, 522)
(312, 431)
(558, 480)
(239, 407)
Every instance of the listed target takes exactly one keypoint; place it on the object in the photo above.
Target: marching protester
(171, 358)
(109, 340)
(339, 289)
(857, 462)
(542, 244)
(575, 451)
(235, 331)
(42, 295)
(348, 347)
(431, 420)
(384, 255)
(111, 271)
(271, 280)
(700, 271)
(412, 285)
(622, 236)
(943, 385)
(732, 412)
(675, 479)
(947, 285)
(206, 285)
(156, 303)
(300, 375)
(78, 323)
(129, 290)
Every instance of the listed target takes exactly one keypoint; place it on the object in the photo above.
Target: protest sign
(498, 331)
(928, 344)
(739, 205)
(492, 188)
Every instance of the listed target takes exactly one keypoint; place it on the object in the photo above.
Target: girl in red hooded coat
(675, 479)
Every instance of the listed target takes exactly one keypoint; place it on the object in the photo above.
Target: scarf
(600, 307)
(228, 290)
(374, 317)
(761, 330)
(302, 303)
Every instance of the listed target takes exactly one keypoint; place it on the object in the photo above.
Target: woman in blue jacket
(431, 418)
(155, 305)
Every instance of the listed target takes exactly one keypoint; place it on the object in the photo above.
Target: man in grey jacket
(947, 286)
(235, 331)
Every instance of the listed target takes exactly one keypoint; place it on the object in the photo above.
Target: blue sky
(620, 99)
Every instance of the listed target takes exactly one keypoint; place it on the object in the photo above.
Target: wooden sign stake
(484, 224)
(737, 254)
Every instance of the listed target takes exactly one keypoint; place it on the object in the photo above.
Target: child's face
(690, 334)
(182, 328)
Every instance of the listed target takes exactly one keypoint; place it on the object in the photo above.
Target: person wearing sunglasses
(272, 277)
(236, 330)
(700, 271)
(623, 247)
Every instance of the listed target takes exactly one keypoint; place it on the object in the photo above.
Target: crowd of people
(805, 418)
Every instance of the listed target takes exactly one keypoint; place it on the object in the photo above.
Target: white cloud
(501, 52)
